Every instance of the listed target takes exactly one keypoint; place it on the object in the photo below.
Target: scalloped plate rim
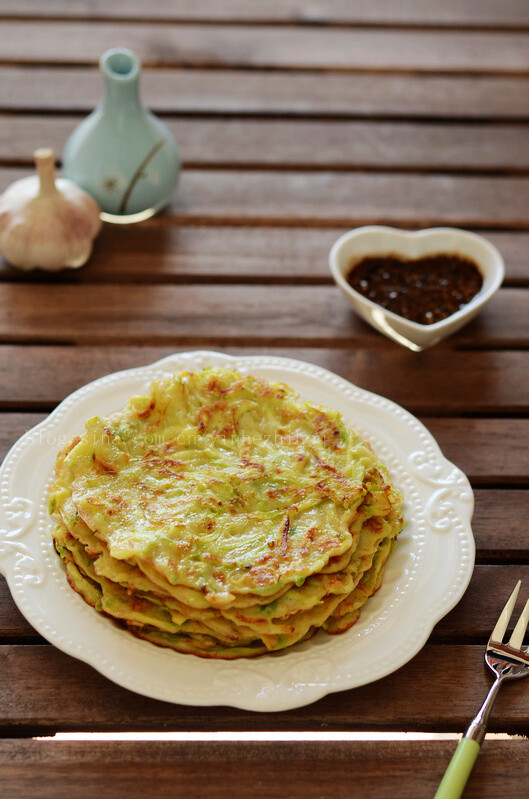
(295, 695)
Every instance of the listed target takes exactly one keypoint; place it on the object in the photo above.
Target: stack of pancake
(224, 516)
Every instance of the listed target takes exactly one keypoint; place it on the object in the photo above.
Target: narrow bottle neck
(121, 96)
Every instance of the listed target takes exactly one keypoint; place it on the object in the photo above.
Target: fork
(508, 662)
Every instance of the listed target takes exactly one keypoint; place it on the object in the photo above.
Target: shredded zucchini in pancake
(223, 515)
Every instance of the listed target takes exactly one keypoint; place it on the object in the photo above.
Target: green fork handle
(456, 775)
(458, 771)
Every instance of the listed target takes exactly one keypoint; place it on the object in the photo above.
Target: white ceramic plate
(426, 575)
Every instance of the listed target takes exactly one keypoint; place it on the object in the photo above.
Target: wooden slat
(194, 91)
(221, 315)
(222, 770)
(500, 525)
(156, 252)
(500, 530)
(13, 426)
(408, 12)
(51, 691)
(477, 613)
(501, 533)
(463, 624)
(438, 382)
(12, 622)
(342, 198)
(351, 198)
(487, 450)
(269, 46)
(307, 144)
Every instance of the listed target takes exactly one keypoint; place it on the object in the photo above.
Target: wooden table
(296, 120)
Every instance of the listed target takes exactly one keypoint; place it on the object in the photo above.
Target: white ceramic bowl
(379, 240)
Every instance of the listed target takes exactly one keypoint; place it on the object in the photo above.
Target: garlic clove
(47, 223)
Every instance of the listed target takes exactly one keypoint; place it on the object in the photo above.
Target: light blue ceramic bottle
(122, 154)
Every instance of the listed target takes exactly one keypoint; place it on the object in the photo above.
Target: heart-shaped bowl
(378, 240)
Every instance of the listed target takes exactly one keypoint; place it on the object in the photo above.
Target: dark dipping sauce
(423, 290)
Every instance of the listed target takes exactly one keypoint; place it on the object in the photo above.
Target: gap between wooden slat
(375, 73)
(448, 27)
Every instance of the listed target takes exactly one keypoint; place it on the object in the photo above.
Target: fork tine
(518, 633)
(501, 625)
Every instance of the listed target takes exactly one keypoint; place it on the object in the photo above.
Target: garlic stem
(45, 223)
(45, 170)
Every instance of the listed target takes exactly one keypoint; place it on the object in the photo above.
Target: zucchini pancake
(223, 516)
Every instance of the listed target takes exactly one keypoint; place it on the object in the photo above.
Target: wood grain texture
(243, 92)
(327, 144)
(280, 316)
(408, 12)
(270, 46)
(225, 770)
(156, 252)
(44, 690)
(489, 589)
(440, 381)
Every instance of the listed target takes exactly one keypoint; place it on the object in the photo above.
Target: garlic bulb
(45, 222)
